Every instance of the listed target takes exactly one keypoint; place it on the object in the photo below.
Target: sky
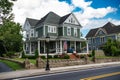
(90, 13)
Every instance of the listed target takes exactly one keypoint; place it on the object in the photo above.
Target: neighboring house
(64, 34)
(98, 36)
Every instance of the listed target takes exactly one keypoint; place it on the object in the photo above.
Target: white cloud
(38, 8)
(99, 23)
(81, 3)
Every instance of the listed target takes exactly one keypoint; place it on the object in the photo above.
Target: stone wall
(40, 63)
(103, 60)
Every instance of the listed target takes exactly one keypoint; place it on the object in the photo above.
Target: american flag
(65, 45)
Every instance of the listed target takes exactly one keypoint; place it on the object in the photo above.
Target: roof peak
(109, 24)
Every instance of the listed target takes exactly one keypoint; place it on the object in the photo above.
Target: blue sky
(90, 13)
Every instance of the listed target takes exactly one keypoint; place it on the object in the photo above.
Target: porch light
(47, 38)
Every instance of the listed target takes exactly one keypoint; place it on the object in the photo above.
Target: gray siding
(40, 31)
(60, 31)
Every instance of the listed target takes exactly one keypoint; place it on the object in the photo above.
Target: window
(68, 31)
(36, 34)
(52, 29)
(75, 32)
(27, 34)
(32, 32)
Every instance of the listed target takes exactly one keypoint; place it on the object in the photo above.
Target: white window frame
(32, 32)
(36, 33)
(68, 33)
(75, 32)
(52, 29)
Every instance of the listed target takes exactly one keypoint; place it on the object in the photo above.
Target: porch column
(24, 47)
(39, 47)
(87, 47)
(30, 47)
(56, 47)
(60, 46)
(75, 45)
(44, 47)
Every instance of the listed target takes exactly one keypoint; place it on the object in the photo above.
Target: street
(105, 73)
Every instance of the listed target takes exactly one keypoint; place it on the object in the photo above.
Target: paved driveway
(4, 68)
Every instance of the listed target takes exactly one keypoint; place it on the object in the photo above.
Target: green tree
(5, 10)
(11, 36)
(111, 48)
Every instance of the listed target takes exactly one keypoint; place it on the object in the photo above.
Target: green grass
(12, 65)
(22, 59)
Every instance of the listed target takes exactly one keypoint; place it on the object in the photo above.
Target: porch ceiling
(63, 38)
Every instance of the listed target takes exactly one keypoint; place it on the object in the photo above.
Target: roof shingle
(109, 28)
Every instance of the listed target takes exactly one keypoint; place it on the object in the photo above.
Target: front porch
(56, 47)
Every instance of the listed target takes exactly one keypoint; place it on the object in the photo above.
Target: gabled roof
(51, 17)
(109, 28)
(62, 19)
(92, 32)
(31, 21)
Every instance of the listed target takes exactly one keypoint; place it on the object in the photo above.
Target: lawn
(22, 59)
(12, 65)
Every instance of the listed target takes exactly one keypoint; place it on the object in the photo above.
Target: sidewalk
(32, 72)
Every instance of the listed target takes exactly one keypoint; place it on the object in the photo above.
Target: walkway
(4, 68)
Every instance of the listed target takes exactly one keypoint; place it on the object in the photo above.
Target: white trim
(39, 47)
(75, 32)
(100, 29)
(63, 30)
(60, 46)
(75, 45)
(30, 48)
(52, 29)
(68, 33)
(44, 30)
(56, 47)
(87, 47)
(44, 47)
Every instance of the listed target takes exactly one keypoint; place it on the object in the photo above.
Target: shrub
(23, 54)
(93, 55)
(89, 55)
(82, 56)
(10, 54)
(111, 48)
(49, 56)
(43, 57)
(36, 53)
(66, 56)
(30, 57)
(55, 56)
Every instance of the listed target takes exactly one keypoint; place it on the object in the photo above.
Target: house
(64, 34)
(98, 36)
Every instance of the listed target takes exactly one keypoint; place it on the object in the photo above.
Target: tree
(11, 36)
(5, 10)
(111, 48)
